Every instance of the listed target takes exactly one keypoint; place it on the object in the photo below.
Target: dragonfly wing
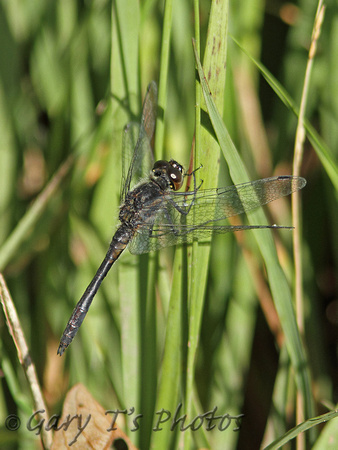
(211, 205)
(169, 224)
(137, 156)
(170, 227)
(159, 229)
(187, 216)
(137, 166)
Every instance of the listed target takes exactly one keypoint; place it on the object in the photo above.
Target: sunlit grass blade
(163, 79)
(207, 153)
(29, 220)
(329, 435)
(15, 327)
(321, 148)
(170, 374)
(279, 287)
(301, 428)
(125, 103)
(169, 379)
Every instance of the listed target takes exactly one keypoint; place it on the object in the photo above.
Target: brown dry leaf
(84, 425)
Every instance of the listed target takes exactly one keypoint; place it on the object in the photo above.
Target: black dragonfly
(154, 215)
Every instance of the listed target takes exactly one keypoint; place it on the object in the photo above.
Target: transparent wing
(137, 155)
(183, 217)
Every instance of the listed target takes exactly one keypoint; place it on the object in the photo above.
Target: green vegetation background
(72, 74)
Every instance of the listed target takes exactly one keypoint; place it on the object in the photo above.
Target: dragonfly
(154, 215)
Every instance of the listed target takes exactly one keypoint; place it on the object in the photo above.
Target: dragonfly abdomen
(119, 242)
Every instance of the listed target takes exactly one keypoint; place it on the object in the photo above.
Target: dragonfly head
(171, 171)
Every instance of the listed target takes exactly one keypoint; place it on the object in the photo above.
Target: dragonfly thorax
(168, 174)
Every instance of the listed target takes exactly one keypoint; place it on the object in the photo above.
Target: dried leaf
(84, 424)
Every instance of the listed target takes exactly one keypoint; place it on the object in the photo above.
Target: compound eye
(175, 177)
(160, 167)
(176, 165)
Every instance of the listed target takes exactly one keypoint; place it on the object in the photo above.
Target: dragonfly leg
(196, 188)
(186, 210)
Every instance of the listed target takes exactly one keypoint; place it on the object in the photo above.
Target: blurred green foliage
(72, 74)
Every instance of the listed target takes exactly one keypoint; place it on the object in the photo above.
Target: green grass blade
(125, 87)
(207, 152)
(301, 428)
(29, 220)
(163, 80)
(169, 379)
(167, 397)
(322, 150)
(279, 286)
